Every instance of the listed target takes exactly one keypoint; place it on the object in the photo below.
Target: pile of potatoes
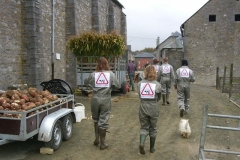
(17, 100)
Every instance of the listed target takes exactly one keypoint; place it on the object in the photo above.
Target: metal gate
(205, 126)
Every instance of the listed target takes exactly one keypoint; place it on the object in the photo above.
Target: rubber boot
(164, 99)
(102, 133)
(167, 98)
(152, 143)
(96, 142)
(142, 141)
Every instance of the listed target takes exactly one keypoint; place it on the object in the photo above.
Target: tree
(150, 50)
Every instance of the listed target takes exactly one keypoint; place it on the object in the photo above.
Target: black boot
(102, 133)
(96, 142)
(142, 141)
(164, 99)
(152, 143)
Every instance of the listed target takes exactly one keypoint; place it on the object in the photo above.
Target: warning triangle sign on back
(102, 79)
(184, 72)
(147, 90)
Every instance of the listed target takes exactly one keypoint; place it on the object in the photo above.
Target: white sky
(148, 19)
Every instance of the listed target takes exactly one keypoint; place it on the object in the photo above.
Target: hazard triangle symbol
(102, 79)
(184, 72)
(147, 90)
(166, 69)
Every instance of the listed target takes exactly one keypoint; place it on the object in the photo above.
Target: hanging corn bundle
(95, 44)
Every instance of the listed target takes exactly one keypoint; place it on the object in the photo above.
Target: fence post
(217, 79)
(224, 77)
(231, 81)
(203, 132)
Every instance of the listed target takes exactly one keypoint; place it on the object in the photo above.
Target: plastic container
(79, 111)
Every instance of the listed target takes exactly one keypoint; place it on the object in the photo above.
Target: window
(237, 17)
(212, 18)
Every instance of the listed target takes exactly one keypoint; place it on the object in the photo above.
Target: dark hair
(102, 65)
(184, 63)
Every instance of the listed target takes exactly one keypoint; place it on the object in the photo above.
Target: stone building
(33, 50)
(172, 47)
(211, 39)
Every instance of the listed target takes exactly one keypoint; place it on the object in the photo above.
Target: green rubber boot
(96, 142)
(164, 99)
(167, 98)
(152, 143)
(102, 133)
(142, 141)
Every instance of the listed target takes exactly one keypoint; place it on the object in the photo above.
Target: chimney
(158, 41)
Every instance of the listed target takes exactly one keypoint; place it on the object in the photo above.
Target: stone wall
(10, 43)
(209, 45)
(174, 57)
(26, 37)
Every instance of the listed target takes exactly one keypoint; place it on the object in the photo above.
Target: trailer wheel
(123, 87)
(67, 126)
(56, 139)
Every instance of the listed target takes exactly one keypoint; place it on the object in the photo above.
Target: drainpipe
(53, 18)
(182, 33)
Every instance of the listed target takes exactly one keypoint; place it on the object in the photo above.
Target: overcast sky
(149, 19)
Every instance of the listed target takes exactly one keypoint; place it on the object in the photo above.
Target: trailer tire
(56, 139)
(123, 87)
(67, 127)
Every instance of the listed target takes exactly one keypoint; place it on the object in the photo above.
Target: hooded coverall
(165, 77)
(184, 76)
(101, 98)
(148, 111)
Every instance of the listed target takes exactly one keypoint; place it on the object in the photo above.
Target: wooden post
(224, 77)
(231, 81)
(217, 79)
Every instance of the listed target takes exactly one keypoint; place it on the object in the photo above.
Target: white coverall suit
(184, 76)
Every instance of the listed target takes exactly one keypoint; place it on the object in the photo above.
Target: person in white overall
(102, 81)
(148, 90)
(166, 77)
(184, 76)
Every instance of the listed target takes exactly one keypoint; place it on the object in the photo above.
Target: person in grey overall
(184, 76)
(102, 81)
(156, 64)
(166, 77)
(149, 91)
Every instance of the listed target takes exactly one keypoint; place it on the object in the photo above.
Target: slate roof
(176, 34)
(144, 55)
(178, 41)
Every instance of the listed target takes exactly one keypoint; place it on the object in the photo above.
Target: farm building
(211, 39)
